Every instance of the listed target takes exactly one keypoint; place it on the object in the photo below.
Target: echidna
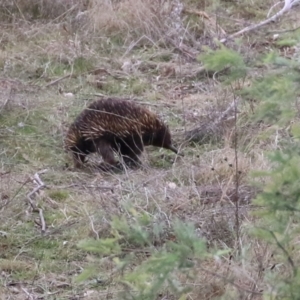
(115, 125)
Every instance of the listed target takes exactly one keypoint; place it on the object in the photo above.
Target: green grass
(60, 195)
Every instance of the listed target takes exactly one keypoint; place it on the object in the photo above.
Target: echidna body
(109, 125)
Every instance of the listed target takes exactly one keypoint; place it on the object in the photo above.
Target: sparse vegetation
(220, 223)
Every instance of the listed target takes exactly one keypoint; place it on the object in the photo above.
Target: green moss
(59, 195)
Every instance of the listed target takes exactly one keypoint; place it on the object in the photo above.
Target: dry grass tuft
(130, 18)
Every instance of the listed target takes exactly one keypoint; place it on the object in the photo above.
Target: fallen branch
(58, 80)
(211, 130)
(29, 296)
(40, 185)
(288, 4)
(43, 223)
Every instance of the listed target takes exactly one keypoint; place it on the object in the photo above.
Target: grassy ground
(35, 112)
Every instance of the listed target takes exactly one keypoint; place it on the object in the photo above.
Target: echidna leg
(131, 149)
(78, 158)
(106, 151)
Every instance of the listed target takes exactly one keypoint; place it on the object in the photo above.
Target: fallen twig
(58, 80)
(37, 179)
(288, 4)
(29, 296)
(211, 130)
(43, 223)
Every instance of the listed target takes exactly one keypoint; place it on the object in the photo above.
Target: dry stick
(272, 7)
(237, 177)
(27, 293)
(20, 11)
(192, 133)
(291, 262)
(43, 223)
(41, 185)
(58, 80)
(92, 224)
(4, 104)
(288, 4)
(63, 14)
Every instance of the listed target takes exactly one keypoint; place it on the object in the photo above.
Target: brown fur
(111, 124)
